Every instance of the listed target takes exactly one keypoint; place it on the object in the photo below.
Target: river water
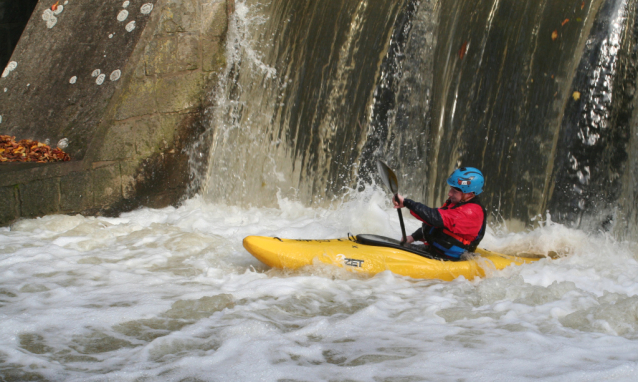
(170, 294)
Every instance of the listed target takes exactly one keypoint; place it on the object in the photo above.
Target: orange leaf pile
(27, 150)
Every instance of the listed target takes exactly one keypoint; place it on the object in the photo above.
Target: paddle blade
(389, 178)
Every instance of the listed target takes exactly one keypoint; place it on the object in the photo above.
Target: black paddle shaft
(405, 238)
(390, 179)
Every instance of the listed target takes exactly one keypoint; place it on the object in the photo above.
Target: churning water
(171, 295)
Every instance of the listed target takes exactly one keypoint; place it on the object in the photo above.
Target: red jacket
(465, 221)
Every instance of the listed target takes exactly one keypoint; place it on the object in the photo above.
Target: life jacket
(449, 245)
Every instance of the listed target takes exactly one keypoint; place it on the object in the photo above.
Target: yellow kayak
(377, 255)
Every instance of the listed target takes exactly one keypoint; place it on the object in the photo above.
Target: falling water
(313, 93)
(291, 114)
(428, 86)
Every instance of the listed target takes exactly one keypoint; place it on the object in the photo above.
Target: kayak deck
(354, 256)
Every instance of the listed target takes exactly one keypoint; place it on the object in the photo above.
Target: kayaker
(457, 226)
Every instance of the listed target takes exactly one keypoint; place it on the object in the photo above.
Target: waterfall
(595, 184)
(290, 115)
(539, 95)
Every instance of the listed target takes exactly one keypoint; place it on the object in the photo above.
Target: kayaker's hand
(409, 239)
(398, 204)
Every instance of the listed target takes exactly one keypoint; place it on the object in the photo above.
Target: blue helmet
(468, 179)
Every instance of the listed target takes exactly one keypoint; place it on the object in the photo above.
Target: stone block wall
(130, 149)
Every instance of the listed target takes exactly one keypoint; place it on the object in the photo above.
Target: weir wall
(125, 84)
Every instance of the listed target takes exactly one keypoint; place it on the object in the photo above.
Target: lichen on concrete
(130, 134)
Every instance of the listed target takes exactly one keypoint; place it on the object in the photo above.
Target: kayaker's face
(456, 196)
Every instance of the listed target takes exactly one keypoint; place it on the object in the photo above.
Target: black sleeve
(432, 216)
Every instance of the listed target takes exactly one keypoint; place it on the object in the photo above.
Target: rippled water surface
(172, 295)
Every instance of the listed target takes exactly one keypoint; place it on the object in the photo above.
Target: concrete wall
(14, 15)
(126, 88)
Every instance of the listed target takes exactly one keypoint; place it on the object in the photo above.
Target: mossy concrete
(129, 131)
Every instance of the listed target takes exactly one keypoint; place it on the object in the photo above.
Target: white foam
(171, 294)
(130, 26)
(64, 241)
(73, 80)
